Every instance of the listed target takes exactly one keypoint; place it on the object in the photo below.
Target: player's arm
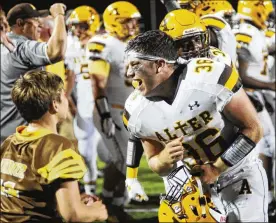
(249, 81)
(244, 54)
(250, 130)
(99, 70)
(72, 209)
(162, 159)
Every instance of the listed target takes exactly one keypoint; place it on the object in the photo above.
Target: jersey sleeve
(97, 54)
(56, 158)
(215, 78)
(130, 117)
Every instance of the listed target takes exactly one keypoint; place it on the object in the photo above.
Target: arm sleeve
(33, 53)
(134, 152)
(58, 159)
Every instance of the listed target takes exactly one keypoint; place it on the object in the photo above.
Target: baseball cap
(24, 11)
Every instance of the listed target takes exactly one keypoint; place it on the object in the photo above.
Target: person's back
(33, 165)
(40, 169)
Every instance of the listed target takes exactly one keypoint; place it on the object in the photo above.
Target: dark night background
(147, 7)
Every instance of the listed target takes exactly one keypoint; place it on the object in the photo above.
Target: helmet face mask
(193, 46)
(186, 200)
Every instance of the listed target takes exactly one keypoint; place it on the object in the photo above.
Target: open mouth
(136, 83)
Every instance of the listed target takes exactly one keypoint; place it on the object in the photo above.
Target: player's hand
(57, 9)
(135, 190)
(100, 210)
(210, 173)
(173, 152)
(108, 127)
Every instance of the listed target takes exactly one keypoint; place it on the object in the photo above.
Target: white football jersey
(75, 56)
(205, 87)
(253, 48)
(226, 38)
(111, 49)
(220, 56)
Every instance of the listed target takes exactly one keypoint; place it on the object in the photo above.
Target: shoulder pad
(214, 21)
(208, 71)
(218, 55)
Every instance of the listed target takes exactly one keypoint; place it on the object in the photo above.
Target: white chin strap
(135, 55)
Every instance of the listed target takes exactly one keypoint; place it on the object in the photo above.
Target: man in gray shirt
(27, 54)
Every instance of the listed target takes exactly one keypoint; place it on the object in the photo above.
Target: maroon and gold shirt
(33, 165)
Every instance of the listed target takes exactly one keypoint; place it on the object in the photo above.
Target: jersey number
(203, 65)
(211, 150)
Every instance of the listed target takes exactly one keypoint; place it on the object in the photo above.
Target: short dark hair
(34, 92)
(155, 43)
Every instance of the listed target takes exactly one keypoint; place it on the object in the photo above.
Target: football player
(214, 14)
(253, 69)
(193, 110)
(39, 168)
(106, 68)
(192, 40)
(83, 23)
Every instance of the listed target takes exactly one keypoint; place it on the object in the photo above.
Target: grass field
(153, 185)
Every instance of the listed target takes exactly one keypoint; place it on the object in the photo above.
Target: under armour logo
(192, 106)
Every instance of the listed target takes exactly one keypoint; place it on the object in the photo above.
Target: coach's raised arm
(27, 54)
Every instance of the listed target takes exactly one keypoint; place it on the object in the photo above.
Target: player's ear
(20, 22)
(53, 108)
(160, 64)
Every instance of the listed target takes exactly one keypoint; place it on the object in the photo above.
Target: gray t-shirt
(28, 55)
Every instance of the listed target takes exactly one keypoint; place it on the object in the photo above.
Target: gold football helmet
(189, 32)
(254, 11)
(87, 16)
(116, 14)
(186, 201)
(210, 6)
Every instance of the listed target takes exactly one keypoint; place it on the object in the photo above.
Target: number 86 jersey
(204, 87)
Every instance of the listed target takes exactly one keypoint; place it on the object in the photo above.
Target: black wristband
(239, 149)
(134, 152)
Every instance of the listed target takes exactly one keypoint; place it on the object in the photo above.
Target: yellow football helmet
(268, 6)
(208, 7)
(115, 15)
(254, 11)
(85, 14)
(189, 32)
(186, 201)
